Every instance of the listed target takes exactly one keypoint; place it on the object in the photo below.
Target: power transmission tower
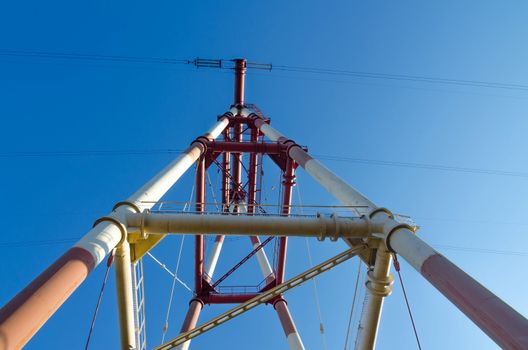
(134, 227)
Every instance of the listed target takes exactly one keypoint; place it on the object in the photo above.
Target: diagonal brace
(263, 298)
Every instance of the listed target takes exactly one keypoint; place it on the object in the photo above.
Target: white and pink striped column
(507, 327)
(293, 337)
(23, 316)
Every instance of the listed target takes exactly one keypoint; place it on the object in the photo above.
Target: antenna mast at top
(240, 75)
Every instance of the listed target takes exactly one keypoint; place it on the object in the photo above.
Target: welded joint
(391, 232)
(383, 226)
(277, 299)
(142, 233)
(257, 118)
(380, 210)
(203, 141)
(337, 231)
(239, 110)
(379, 286)
(228, 115)
(126, 204)
(197, 300)
(120, 226)
(322, 231)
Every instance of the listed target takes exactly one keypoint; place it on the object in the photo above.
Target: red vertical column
(237, 167)
(252, 174)
(280, 305)
(199, 240)
(240, 73)
(287, 183)
(226, 168)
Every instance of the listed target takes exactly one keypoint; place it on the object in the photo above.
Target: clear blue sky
(64, 105)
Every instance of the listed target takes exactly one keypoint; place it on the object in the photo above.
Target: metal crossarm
(262, 298)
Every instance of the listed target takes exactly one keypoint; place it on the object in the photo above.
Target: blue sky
(50, 105)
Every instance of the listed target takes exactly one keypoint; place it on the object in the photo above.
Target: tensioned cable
(423, 166)
(357, 312)
(92, 57)
(23, 244)
(362, 312)
(397, 268)
(166, 324)
(314, 283)
(401, 77)
(108, 266)
(285, 68)
(366, 161)
(353, 306)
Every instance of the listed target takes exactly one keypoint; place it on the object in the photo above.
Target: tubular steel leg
(265, 267)
(252, 174)
(195, 307)
(199, 239)
(294, 340)
(240, 72)
(213, 257)
(504, 325)
(288, 183)
(378, 287)
(261, 298)
(125, 298)
(21, 318)
(237, 167)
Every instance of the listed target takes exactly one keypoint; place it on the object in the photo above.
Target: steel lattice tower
(131, 229)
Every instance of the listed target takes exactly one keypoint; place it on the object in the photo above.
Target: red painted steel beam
(239, 119)
(215, 298)
(226, 168)
(245, 147)
(288, 183)
(236, 174)
(199, 239)
(240, 73)
(252, 173)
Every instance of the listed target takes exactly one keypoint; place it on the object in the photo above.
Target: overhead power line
(380, 162)
(91, 57)
(220, 64)
(401, 77)
(87, 153)
(423, 166)
(60, 241)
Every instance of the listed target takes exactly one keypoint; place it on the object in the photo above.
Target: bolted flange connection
(381, 287)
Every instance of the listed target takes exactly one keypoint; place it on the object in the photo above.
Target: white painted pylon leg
(262, 259)
(293, 337)
(196, 306)
(210, 265)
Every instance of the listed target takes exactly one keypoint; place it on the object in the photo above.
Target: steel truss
(23, 316)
